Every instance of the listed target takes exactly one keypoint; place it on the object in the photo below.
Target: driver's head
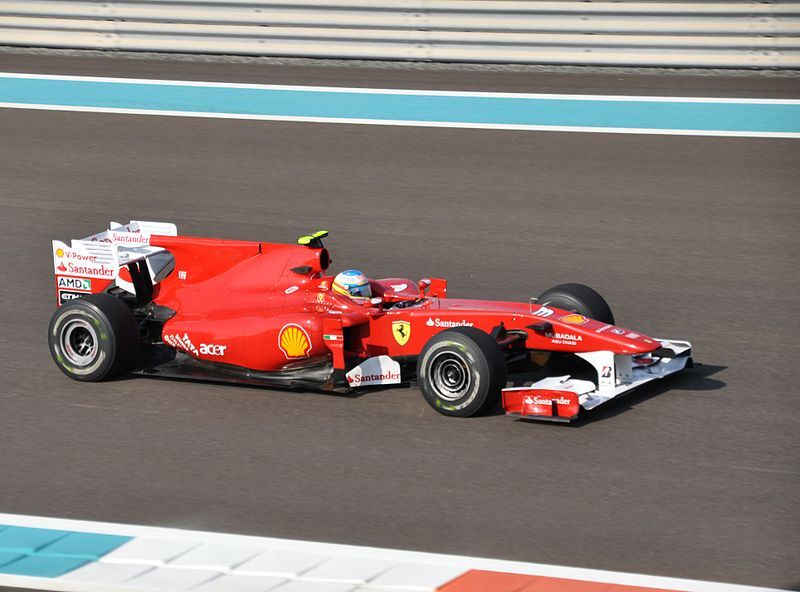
(352, 283)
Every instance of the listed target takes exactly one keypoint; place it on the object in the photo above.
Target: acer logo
(209, 349)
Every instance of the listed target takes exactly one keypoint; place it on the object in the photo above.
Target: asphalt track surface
(687, 237)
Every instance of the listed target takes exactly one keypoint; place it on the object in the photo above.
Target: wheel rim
(451, 376)
(79, 342)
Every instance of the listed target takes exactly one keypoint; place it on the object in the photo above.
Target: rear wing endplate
(90, 264)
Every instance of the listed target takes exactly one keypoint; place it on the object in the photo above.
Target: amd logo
(75, 283)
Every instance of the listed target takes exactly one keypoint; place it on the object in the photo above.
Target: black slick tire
(461, 372)
(93, 338)
(580, 299)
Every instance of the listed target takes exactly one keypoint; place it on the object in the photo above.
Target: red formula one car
(139, 298)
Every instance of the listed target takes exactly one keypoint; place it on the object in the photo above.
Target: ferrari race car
(139, 298)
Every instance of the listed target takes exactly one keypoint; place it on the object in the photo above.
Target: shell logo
(294, 342)
(574, 319)
(59, 252)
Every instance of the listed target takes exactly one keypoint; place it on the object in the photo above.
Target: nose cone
(574, 332)
(626, 341)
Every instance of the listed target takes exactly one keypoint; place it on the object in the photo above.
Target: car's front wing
(560, 398)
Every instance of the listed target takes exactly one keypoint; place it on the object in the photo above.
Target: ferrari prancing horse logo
(401, 331)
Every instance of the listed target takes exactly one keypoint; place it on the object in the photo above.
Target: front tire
(94, 337)
(461, 372)
(578, 298)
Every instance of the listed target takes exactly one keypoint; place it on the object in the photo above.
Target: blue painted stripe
(86, 545)
(49, 553)
(28, 540)
(7, 557)
(42, 567)
(707, 115)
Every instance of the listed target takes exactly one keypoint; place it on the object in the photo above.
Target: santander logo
(388, 376)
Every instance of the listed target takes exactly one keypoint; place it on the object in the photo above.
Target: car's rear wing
(91, 264)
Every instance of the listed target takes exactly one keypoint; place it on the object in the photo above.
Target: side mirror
(376, 302)
(423, 285)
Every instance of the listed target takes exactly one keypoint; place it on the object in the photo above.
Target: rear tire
(580, 299)
(461, 372)
(94, 337)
